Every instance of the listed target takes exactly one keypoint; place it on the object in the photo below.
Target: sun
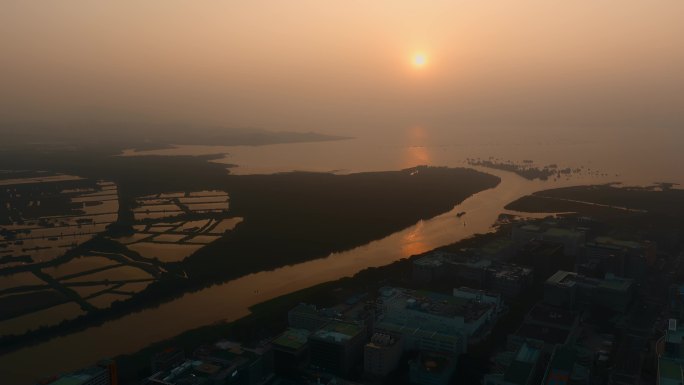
(419, 60)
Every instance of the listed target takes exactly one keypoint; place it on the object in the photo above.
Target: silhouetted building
(382, 354)
(291, 350)
(434, 311)
(431, 368)
(568, 289)
(104, 373)
(518, 367)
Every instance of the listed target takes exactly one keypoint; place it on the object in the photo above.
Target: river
(232, 299)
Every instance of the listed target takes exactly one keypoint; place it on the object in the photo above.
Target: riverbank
(231, 300)
(290, 218)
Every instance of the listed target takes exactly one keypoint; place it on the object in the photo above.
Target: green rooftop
(292, 339)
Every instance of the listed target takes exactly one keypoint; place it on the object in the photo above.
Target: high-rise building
(337, 346)
(382, 354)
(291, 350)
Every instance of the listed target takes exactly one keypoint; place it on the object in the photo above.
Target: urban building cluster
(593, 310)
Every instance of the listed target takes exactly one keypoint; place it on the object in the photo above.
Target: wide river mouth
(610, 161)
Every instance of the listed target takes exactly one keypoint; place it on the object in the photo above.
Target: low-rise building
(568, 289)
(104, 373)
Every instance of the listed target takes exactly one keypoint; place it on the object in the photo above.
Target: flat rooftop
(439, 304)
(618, 242)
(562, 278)
(560, 317)
(338, 331)
(563, 233)
(549, 335)
(293, 339)
(618, 284)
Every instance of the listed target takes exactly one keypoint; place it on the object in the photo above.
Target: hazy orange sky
(345, 66)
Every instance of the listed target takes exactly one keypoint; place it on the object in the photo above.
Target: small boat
(462, 213)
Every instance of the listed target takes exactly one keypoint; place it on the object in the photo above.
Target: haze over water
(637, 158)
(569, 69)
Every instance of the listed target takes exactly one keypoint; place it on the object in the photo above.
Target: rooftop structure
(382, 354)
(338, 331)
